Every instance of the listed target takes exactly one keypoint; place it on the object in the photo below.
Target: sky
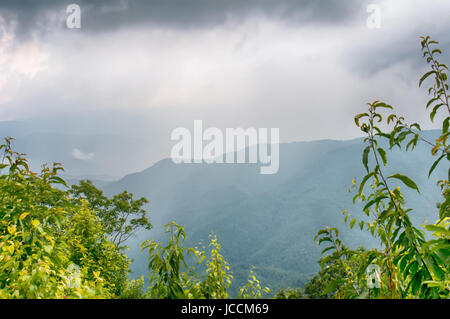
(305, 67)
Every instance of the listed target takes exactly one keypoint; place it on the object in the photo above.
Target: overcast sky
(305, 67)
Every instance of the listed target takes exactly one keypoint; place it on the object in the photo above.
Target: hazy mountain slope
(103, 157)
(269, 221)
(97, 145)
(100, 153)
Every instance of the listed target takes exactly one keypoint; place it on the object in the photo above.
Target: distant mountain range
(266, 221)
(269, 221)
(101, 151)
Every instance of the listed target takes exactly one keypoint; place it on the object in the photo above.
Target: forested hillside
(269, 221)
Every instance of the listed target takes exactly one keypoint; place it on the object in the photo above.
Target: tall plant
(413, 266)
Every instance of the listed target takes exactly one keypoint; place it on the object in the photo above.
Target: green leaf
(413, 142)
(437, 270)
(435, 164)
(431, 101)
(332, 286)
(438, 229)
(326, 249)
(425, 76)
(435, 109)
(381, 104)
(416, 282)
(58, 180)
(361, 224)
(365, 157)
(352, 223)
(383, 155)
(321, 240)
(369, 203)
(406, 180)
(403, 262)
(359, 116)
(411, 269)
(445, 125)
(391, 118)
(363, 182)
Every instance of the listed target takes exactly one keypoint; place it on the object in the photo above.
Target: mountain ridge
(269, 221)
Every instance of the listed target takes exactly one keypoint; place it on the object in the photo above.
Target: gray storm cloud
(40, 16)
(304, 66)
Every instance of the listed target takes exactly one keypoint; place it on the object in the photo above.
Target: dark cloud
(35, 16)
(368, 61)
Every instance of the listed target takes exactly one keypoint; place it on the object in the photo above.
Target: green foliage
(218, 275)
(35, 257)
(172, 277)
(412, 266)
(289, 294)
(337, 276)
(89, 248)
(67, 244)
(134, 289)
(121, 215)
(253, 289)
(166, 264)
